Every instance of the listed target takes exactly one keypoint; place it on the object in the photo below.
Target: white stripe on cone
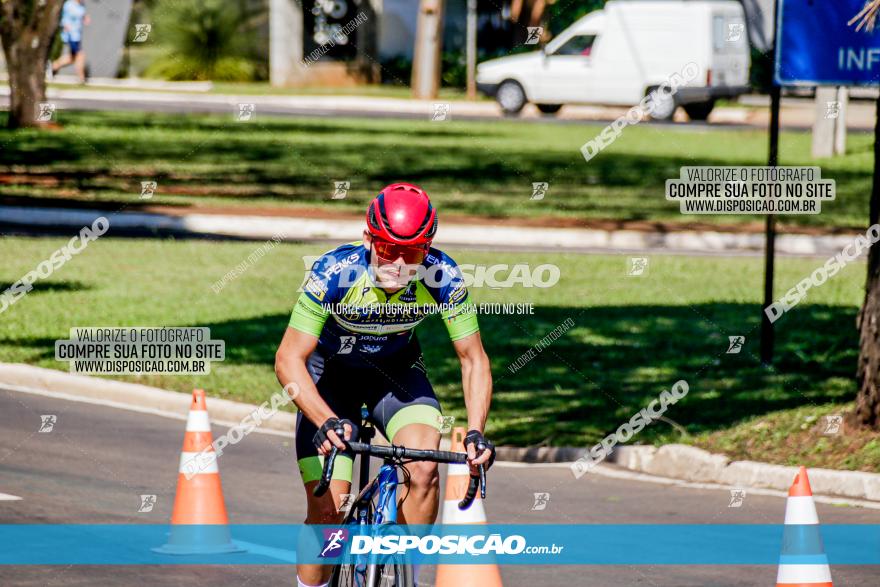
(198, 421)
(801, 509)
(458, 469)
(198, 463)
(801, 574)
(473, 515)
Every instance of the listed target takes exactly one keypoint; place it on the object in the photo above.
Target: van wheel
(549, 108)
(511, 97)
(699, 110)
(661, 105)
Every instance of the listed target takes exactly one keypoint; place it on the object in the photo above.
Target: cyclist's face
(393, 273)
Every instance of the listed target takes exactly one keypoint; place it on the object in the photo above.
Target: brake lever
(482, 481)
(326, 474)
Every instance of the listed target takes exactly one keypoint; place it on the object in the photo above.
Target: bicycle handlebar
(399, 453)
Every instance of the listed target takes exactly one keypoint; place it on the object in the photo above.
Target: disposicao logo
(334, 542)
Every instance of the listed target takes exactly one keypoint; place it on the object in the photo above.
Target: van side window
(577, 45)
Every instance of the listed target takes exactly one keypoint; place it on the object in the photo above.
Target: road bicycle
(376, 503)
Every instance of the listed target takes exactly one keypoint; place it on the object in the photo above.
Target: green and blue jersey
(357, 322)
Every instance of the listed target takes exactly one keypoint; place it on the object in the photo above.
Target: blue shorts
(74, 47)
(395, 395)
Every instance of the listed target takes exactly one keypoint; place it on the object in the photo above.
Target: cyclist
(366, 352)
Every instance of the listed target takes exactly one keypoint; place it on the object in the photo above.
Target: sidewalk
(195, 96)
(505, 234)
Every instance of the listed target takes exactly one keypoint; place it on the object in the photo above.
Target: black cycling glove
(480, 444)
(334, 424)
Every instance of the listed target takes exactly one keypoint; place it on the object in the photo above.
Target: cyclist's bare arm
(290, 367)
(476, 379)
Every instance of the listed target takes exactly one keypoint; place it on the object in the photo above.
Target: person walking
(73, 19)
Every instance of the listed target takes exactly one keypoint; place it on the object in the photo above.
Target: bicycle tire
(392, 575)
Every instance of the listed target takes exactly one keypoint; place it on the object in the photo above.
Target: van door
(730, 49)
(565, 74)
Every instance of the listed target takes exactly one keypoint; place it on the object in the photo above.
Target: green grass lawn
(484, 168)
(632, 338)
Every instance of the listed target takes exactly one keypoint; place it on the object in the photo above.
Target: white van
(619, 54)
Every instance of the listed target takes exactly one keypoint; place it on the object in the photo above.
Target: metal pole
(770, 236)
(471, 49)
(770, 227)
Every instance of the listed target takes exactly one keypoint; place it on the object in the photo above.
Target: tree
(26, 30)
(867, 411)
(429, 44)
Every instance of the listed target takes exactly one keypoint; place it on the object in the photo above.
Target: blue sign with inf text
(816, 46)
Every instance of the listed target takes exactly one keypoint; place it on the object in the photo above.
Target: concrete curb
(673, 461)
(266, 227)
(689, 463)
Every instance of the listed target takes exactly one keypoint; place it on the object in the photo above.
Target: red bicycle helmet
(402, 214)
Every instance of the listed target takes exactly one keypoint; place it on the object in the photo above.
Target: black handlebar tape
(438, 456)
(326, 474)
(450, 457)
(473, 484)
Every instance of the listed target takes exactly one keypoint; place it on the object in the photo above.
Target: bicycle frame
(385, 486)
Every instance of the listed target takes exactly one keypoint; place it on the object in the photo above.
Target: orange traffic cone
(199, 520)
(802, 542)
(456, 486)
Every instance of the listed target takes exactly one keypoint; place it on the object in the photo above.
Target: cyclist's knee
(323, 512)
(424, 476)
(324, 519)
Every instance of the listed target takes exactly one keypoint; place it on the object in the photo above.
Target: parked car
(619, 54)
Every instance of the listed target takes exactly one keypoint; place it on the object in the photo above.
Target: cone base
(804, 585)
(199, 539)
(182, 549)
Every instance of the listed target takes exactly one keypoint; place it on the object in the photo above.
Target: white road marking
(7, 497)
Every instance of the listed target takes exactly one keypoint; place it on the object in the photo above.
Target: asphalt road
(97, 461)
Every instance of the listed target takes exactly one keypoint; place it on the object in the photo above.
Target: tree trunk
(27, 82)
(26, 31)
(867, 412)
(368, 68)
(429, 44)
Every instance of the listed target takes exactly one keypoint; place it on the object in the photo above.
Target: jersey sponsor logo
(432, 261)
(340, 265)
(316, 287)
(346, 345)
(371, 348)
(389, 328)
(458, 293)
(409, 296)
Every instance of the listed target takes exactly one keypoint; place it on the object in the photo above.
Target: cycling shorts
(395, 396)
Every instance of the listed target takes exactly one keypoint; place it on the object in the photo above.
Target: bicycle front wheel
(364, 575)
(391, 575)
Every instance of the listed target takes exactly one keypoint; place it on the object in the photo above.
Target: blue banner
(510, 544)
(816, 46)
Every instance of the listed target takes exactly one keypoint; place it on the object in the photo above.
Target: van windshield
(577, 45)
